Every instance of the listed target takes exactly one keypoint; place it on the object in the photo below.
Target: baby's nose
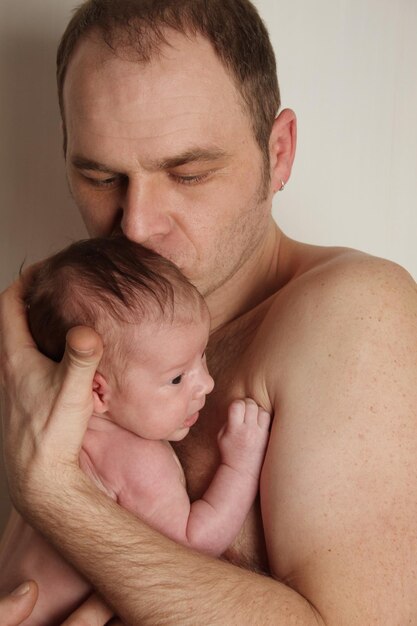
(209, 383)
(205, 383)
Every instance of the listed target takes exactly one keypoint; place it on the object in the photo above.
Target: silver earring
(282, 186)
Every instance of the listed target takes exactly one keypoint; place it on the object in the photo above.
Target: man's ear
(101, 394)
(282, 144)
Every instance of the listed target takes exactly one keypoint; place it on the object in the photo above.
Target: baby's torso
(135, 472)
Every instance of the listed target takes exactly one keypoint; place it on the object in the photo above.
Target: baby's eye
(176, 380)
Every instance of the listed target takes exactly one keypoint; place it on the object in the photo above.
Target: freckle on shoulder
(348, 289)
(347, 281)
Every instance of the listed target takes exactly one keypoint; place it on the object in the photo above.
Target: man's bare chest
(198, 452)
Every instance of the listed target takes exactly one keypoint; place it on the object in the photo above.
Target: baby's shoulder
(126, 462)
(118, 448)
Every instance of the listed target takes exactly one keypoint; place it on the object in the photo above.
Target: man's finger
(17, 606)
(82, 356)
(13, 317)
(92, 613)
(75, 377)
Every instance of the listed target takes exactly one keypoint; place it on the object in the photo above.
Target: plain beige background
(347, 67)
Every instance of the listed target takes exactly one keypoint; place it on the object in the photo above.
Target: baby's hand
(243, 439)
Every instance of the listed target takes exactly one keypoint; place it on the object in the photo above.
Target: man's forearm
(148, 579)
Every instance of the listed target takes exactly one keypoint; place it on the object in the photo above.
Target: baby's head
(153, 377)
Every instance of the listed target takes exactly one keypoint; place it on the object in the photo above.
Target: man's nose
(144, 216)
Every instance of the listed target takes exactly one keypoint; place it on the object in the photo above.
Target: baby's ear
(101, 393)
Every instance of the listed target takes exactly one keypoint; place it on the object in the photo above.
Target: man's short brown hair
(233, 27)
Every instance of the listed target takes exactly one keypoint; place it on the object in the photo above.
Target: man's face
(166, 152)
(166, 382)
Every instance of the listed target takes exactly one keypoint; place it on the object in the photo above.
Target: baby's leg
(26, 555)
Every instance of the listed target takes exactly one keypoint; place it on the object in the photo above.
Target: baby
(149, 388)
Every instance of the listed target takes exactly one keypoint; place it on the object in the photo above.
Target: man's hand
(45, 407)
(17, 606)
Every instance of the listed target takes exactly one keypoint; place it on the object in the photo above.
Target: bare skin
(324, 338)
(16, 607)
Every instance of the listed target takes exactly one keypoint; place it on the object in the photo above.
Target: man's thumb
(84, 347)
(82, 356)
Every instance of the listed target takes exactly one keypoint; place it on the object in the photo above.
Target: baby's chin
(179, 434)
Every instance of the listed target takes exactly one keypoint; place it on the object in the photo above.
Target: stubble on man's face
(127, 118)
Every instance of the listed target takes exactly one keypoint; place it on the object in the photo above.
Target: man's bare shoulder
(342, 287)
(340, 477)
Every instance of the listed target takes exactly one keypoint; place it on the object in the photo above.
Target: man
(168, 144)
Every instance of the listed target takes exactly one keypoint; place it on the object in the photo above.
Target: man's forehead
(150, 112)
(182, 52)
(187, 67)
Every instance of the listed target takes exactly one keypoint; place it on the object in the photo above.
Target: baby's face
(166, 382)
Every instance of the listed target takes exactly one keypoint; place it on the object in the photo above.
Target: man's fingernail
(20, 591)
(84, 352)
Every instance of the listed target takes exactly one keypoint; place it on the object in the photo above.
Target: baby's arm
(154, 492)
(216, 518)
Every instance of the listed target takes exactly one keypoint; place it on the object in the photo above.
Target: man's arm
(146, 577)
(340, 478)
(349, 542)
(162, 582)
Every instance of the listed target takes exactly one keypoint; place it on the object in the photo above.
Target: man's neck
(255, 281)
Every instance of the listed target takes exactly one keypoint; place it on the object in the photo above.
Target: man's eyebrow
(190, 156)
(88, 164)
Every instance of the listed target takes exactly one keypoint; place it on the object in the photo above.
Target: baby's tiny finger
(236, 413)
(221, 432)
(251, 412)
(264, 419)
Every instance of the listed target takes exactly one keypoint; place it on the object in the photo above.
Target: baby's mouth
(190, 421)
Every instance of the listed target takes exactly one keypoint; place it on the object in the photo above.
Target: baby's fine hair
(105, 283)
